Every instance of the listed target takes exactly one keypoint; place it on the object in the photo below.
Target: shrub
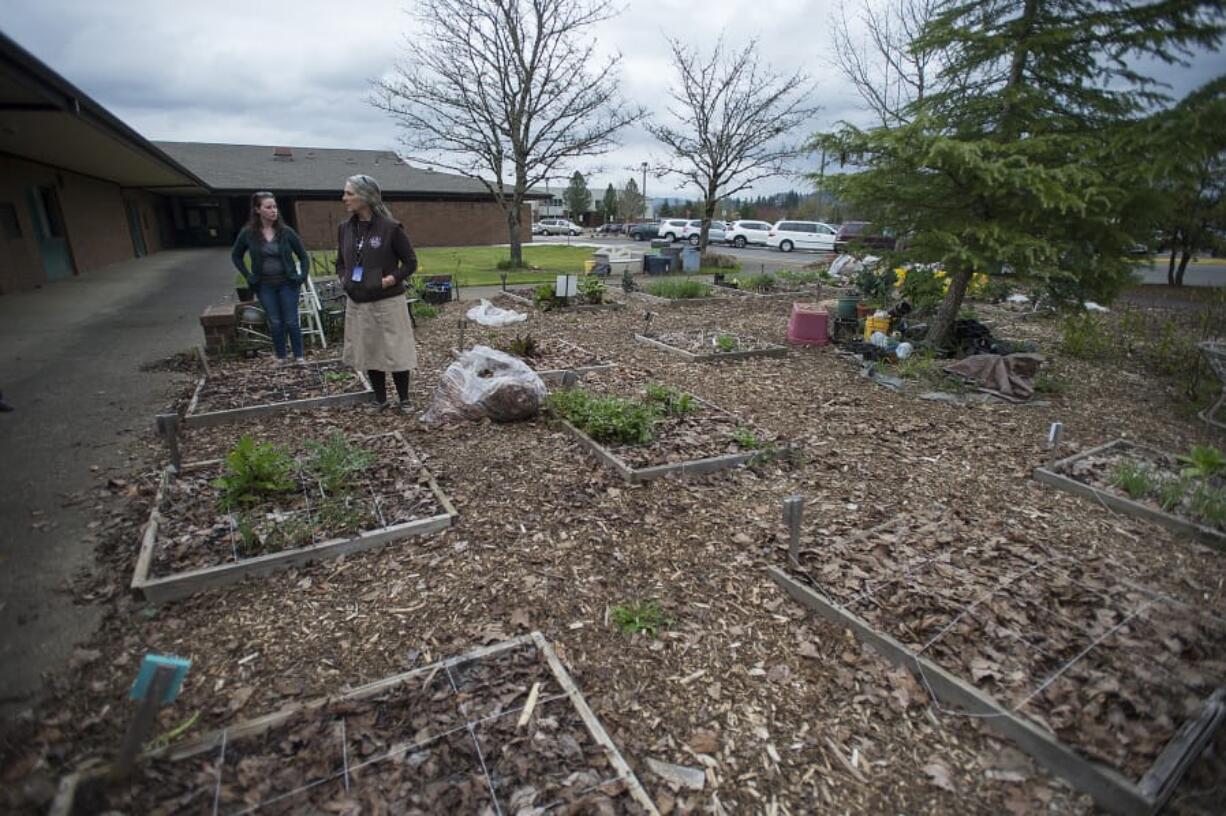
(543, 296)
(922, 286)
(591, 289)
(1082, 335)
(718, 261)
(678, 289)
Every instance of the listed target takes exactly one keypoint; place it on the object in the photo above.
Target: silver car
(693, 232)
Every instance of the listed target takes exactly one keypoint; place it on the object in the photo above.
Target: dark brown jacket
(387, 252)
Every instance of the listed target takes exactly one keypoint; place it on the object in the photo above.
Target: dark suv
(643, 232)
(860, 234)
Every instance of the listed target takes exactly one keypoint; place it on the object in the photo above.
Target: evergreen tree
(577, 196)
(609, 203)
(1033, 154)
(666, 210)
(631, 203)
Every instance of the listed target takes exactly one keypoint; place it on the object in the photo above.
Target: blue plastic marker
(149, 667)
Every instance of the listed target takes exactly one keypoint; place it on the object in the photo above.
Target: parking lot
(749, 256)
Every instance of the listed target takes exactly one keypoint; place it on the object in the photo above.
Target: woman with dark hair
(273, 276)
(373, 258)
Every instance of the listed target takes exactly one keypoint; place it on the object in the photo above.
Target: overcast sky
(298, 73)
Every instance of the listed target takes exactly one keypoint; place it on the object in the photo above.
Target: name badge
(357, 274)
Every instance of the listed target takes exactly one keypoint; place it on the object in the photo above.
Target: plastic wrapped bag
(487, 314)
(485, 382)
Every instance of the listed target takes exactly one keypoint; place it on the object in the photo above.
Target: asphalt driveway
(73, 353)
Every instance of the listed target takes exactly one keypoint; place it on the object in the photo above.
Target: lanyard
(361, 243)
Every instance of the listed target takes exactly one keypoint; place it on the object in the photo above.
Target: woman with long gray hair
(373, 258)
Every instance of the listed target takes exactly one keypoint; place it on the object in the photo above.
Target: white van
(788, 235)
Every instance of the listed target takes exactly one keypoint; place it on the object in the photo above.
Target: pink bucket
(809, 325)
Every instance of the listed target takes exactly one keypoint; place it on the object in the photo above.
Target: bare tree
(880, 60)
(732, 115)
(505, 92)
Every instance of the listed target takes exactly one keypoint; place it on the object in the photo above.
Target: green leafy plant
(1209, 505)
(1082, 335)
(923, 288)
(715, 260)
(726, 342)
(345, 516)
(260, 533)
(336, 376)
(1133, 478)
(1048, 383)
(764, 282)
(591, 289)
(745, 438)
(335, 461)
(544, 298)
(525, 347)
(875, 286)
(1172, 493)
(254, 472)
(670, 400)
(1203, 462)
(678, 289)
(639, 616)
(800, 277)
(610, 420)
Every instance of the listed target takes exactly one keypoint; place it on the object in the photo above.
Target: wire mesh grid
(347, 774)
(233, 387)
(991, 602)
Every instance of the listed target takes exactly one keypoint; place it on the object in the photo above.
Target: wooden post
(142, 723)
(168, 427)
(204, 360)
(793, 508)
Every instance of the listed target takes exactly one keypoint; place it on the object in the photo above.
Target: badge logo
(376, 242)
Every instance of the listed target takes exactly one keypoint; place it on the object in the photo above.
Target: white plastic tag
(357, 274)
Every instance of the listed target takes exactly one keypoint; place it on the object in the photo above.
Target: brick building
(79, 189)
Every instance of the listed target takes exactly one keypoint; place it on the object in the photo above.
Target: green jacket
(291, 245)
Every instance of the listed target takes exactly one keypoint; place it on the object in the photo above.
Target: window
(9, 224)
(807, 228)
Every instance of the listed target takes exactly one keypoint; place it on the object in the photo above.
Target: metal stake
(793, 508)
(1053, 440)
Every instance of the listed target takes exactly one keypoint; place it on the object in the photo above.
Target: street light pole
(646, 212)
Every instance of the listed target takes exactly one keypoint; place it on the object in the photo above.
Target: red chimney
(283, 153)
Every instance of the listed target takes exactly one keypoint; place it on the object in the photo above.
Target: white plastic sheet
(487, 314)
(484, 382)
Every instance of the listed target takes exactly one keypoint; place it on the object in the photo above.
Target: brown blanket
(1010, 378)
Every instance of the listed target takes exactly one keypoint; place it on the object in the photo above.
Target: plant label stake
(460, 323)
(793, 507)
(1053, 439)
(168, 427)
(157, 684)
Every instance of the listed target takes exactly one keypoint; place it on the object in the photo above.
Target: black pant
(378, 381)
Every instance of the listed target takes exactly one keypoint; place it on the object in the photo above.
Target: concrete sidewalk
(71, 367)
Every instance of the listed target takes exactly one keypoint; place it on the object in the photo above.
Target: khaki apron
(379, 337)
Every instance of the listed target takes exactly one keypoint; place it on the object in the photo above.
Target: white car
(788, 235)
(671, 229)
(692, 233)
(740, 233)
(558, 226)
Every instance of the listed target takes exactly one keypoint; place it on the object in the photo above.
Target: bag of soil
(485, 382)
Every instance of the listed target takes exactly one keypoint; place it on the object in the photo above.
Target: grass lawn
(477, 265)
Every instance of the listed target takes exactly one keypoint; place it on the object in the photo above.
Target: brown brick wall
(94, 219)
(429, 223)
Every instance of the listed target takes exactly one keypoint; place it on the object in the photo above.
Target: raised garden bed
(706, 346)
(553, 358)
(526, 296)
(1159, 491)
(502, 729)
(676, 292)
(1108, 684)
(231, 391)
(644, 431)
(782, 286)
(191, 543)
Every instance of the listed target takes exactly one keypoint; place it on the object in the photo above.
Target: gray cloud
(298, 73)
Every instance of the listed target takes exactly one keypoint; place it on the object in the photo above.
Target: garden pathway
(71, 366)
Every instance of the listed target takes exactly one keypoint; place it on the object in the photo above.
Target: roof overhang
(45, 119)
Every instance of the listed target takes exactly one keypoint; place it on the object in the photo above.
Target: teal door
(49, 230)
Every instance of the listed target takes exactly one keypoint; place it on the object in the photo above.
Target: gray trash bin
(660, 243)
(691, 260)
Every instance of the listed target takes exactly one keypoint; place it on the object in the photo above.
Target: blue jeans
(280, 302)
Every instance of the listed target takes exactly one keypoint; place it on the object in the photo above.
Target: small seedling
(1171, 494)
(639, 616)
(336, 376)
(726, 342)
(525, 347)
(1133, 479)
(746, 439)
